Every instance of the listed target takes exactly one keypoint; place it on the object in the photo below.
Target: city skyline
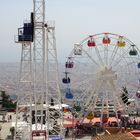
(74, 21)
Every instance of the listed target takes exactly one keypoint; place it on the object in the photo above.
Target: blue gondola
(68, 94)
(139, 65)
(56, 138)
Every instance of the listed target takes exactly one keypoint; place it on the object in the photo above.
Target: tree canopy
(7, 101)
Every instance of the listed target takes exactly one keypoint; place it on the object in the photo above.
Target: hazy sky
(75, 20)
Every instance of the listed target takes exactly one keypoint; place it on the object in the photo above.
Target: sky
(74, 21)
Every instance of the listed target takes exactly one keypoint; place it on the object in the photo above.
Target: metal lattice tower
(23, 124)
(40, 105)
(53, 89)
(39, 74)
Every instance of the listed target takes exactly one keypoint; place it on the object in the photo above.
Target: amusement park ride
(101, 78)
(38, 82)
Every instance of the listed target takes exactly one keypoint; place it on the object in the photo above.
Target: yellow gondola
(121, 43)
(90, 116)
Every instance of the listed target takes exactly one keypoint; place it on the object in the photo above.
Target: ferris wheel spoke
(91, 58)
(84, 89)
(85, 94)
(90, 108)
(95, 98)
(106, 54)
(122, 56)
(112, 58)
(97, 88)
(116, 103)
(122, 70)
(126, 108)
(99, 56)
(128, 65)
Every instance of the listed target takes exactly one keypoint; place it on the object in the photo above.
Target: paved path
(5, 130)
(5, 126)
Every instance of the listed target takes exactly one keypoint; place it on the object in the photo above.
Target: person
(10, 117)
(3, 118)
(67, 132)
(0, 130)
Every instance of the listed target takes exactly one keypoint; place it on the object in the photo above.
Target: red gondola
(104, 120)
(69, 65)
(91, 43)
(106, 40)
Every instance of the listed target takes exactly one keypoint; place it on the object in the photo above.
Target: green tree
(7, 101)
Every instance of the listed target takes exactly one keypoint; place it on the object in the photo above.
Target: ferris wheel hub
(107, 74)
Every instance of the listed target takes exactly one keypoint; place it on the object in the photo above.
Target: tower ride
(38, 88)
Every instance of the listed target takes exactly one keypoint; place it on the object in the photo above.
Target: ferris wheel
(102, 75)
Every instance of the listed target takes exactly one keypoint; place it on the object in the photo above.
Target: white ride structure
(38, 88)
(102, 77)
